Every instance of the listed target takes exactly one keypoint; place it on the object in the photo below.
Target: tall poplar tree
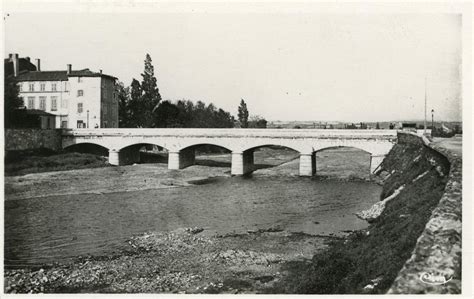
(243, 114)
(151, 96)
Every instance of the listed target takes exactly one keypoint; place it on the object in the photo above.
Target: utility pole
(432, 122)
(424, 126)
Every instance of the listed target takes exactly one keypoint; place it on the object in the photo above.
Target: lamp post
(432, 122)
(424, 122)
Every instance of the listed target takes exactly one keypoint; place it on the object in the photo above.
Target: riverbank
(181, 261)
(19, 163)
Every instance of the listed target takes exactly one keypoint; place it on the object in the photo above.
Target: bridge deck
(272, 133)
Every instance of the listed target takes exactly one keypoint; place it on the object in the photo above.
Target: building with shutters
(77, 98)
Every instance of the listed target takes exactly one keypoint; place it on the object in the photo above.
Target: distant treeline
(186, 114)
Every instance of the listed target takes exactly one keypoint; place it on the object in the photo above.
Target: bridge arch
(186, 155)
(273, 144)
(347, 161)
(88, 148)
(197, 143)
(132, 153)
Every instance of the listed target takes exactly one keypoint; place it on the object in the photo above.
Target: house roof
(43, 76)
(24, 65)
(58, 75)
(37, 112)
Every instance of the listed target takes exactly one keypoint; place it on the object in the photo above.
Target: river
(59, 228)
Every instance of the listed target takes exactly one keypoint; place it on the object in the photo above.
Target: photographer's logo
(434, 279)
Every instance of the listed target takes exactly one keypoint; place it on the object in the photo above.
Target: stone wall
(435, 264)
(27, 139)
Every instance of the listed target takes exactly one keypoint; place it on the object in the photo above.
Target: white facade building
(78, 98)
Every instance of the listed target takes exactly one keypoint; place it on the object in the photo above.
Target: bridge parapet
(272, 133)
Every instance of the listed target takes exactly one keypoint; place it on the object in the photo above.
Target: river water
(58, 228)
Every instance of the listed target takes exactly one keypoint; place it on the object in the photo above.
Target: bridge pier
(375, 161)
(242, 163)
(125, 156)
(181, 159)
(114, 157)
(307, 164)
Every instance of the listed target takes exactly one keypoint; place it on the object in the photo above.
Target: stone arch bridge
(124, 144)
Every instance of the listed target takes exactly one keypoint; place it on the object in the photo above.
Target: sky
(286, 66)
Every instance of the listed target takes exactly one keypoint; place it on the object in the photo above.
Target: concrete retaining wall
(27, 139)
(435, 264)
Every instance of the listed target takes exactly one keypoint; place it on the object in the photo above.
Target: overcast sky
(286, 66)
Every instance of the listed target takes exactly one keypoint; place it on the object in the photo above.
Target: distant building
(77, 98)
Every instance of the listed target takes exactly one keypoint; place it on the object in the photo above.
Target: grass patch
(25, 162)
(375, 256)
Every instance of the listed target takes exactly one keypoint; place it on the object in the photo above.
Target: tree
(257, 121)
(12, 101)
(167, 115)
(135, 105)
(151, 96)
(243, 114)
(123, 96)
(144, 98)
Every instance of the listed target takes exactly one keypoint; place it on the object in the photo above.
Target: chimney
(10, 56)
(16, 65)
(69, 69)
(100, 71)
(38, 64)
(28, 58)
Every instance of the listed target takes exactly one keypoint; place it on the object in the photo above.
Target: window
(64, 103)
(79, 79)
(64, 124)
(20, 87)
(80, 124)
(53, 86)
(31, 102)
(42, 86)
(54, 103)
(42, 103)
(31, 87)
(80, 93)
(79, 107)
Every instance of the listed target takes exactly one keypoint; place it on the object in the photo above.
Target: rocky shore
(181, 261)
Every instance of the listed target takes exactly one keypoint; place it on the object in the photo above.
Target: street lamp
(432, 122)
